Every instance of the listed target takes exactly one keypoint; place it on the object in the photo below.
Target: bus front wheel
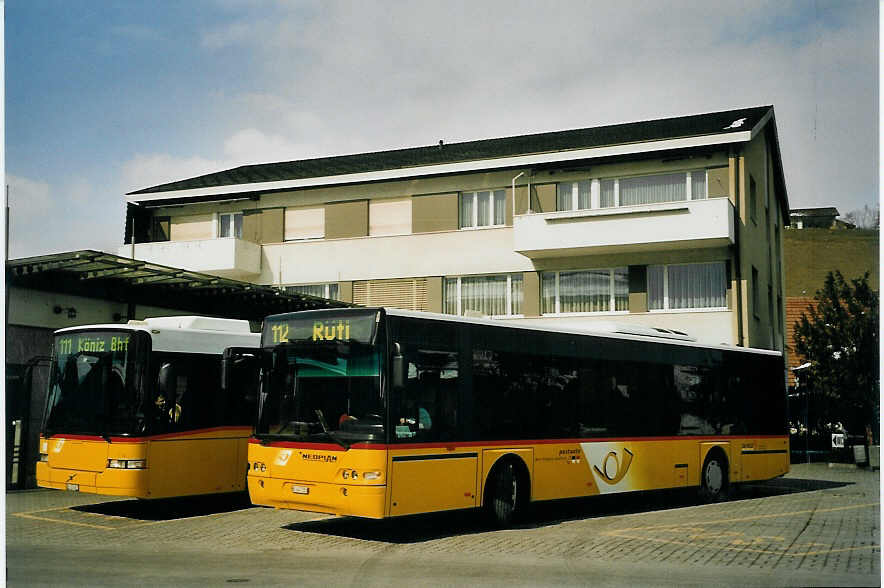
(504, 497)
(714, 478)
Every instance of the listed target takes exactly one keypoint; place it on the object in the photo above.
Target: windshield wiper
(329, 432)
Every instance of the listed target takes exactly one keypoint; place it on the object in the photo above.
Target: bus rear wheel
(504, 494)
(714, 478)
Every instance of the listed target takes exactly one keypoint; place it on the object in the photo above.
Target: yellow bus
(384, 412)
(139, 410)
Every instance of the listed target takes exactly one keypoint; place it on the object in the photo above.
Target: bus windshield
(325, 392)
(92, 387)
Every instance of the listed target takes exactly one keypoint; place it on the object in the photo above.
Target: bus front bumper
(111, 482)
(337, 499)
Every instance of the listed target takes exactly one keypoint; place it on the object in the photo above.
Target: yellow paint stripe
(32, 516)
(53, 509)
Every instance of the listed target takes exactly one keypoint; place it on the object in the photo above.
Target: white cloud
(46, 218)
(330, 78)
(371, 76)
(145, 170)
(28, 199)
(249, 146)
(227, 36)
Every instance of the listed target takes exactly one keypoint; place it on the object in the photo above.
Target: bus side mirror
(235, 360)
(397, 367)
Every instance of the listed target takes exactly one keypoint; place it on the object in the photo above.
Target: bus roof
(607, 329)
(186, 334)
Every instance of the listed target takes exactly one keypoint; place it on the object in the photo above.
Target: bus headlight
(127, 464)
(371, 475)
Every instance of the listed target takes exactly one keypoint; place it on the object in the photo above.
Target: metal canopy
(96, 274)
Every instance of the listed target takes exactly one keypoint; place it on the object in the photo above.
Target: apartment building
(673, 223)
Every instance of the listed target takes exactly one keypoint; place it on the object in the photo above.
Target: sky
(107, 97)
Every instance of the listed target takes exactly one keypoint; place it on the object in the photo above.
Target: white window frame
(326, 287)
(666, 306)
(595, 190)
(217, 223)
(574, 200)
(509, 293)
(689, 184)
(475, 217)
(612, 297)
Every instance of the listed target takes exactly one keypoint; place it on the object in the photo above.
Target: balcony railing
(668, 225)
(229, 258)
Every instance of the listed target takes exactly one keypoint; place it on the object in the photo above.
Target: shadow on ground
(169, 508)
(787, 486)
(422, 528)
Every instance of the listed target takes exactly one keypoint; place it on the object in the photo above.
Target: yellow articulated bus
(383, 412)
(139, 410)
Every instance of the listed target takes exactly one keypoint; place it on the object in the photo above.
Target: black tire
(504, 494)
(714, 483)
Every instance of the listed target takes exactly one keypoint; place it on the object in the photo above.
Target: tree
(865, 217)
(838, 337)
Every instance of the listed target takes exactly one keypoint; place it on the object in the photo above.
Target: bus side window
(427, 408)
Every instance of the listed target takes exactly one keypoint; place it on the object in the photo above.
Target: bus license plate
(300, 490)
(73, 487)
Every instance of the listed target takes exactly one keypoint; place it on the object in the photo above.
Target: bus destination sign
(92, 342)
(342, 329)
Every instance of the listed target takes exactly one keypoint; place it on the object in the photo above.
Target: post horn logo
(621, 467)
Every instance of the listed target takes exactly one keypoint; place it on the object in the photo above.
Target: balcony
(669, 225)
(229, 258)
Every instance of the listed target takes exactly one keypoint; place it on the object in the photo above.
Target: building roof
(821, 211)
(715, 123)
(96, 274)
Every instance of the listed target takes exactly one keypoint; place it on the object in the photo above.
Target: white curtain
(484, 294)
(607, 194)
(698, 184)
(499, 207)
(583, 195)
(563, 195)
(517, 293)
(449, 302)
(621, 288)
(484, 203)
(320, 290)
(655, 287)
(697, 285)
(548, 292)
(466, 209)
(651, 189)
(585, 291)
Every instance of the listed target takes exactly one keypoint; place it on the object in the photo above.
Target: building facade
(673, 223)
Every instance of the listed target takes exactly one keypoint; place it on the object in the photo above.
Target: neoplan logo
(615, 471)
